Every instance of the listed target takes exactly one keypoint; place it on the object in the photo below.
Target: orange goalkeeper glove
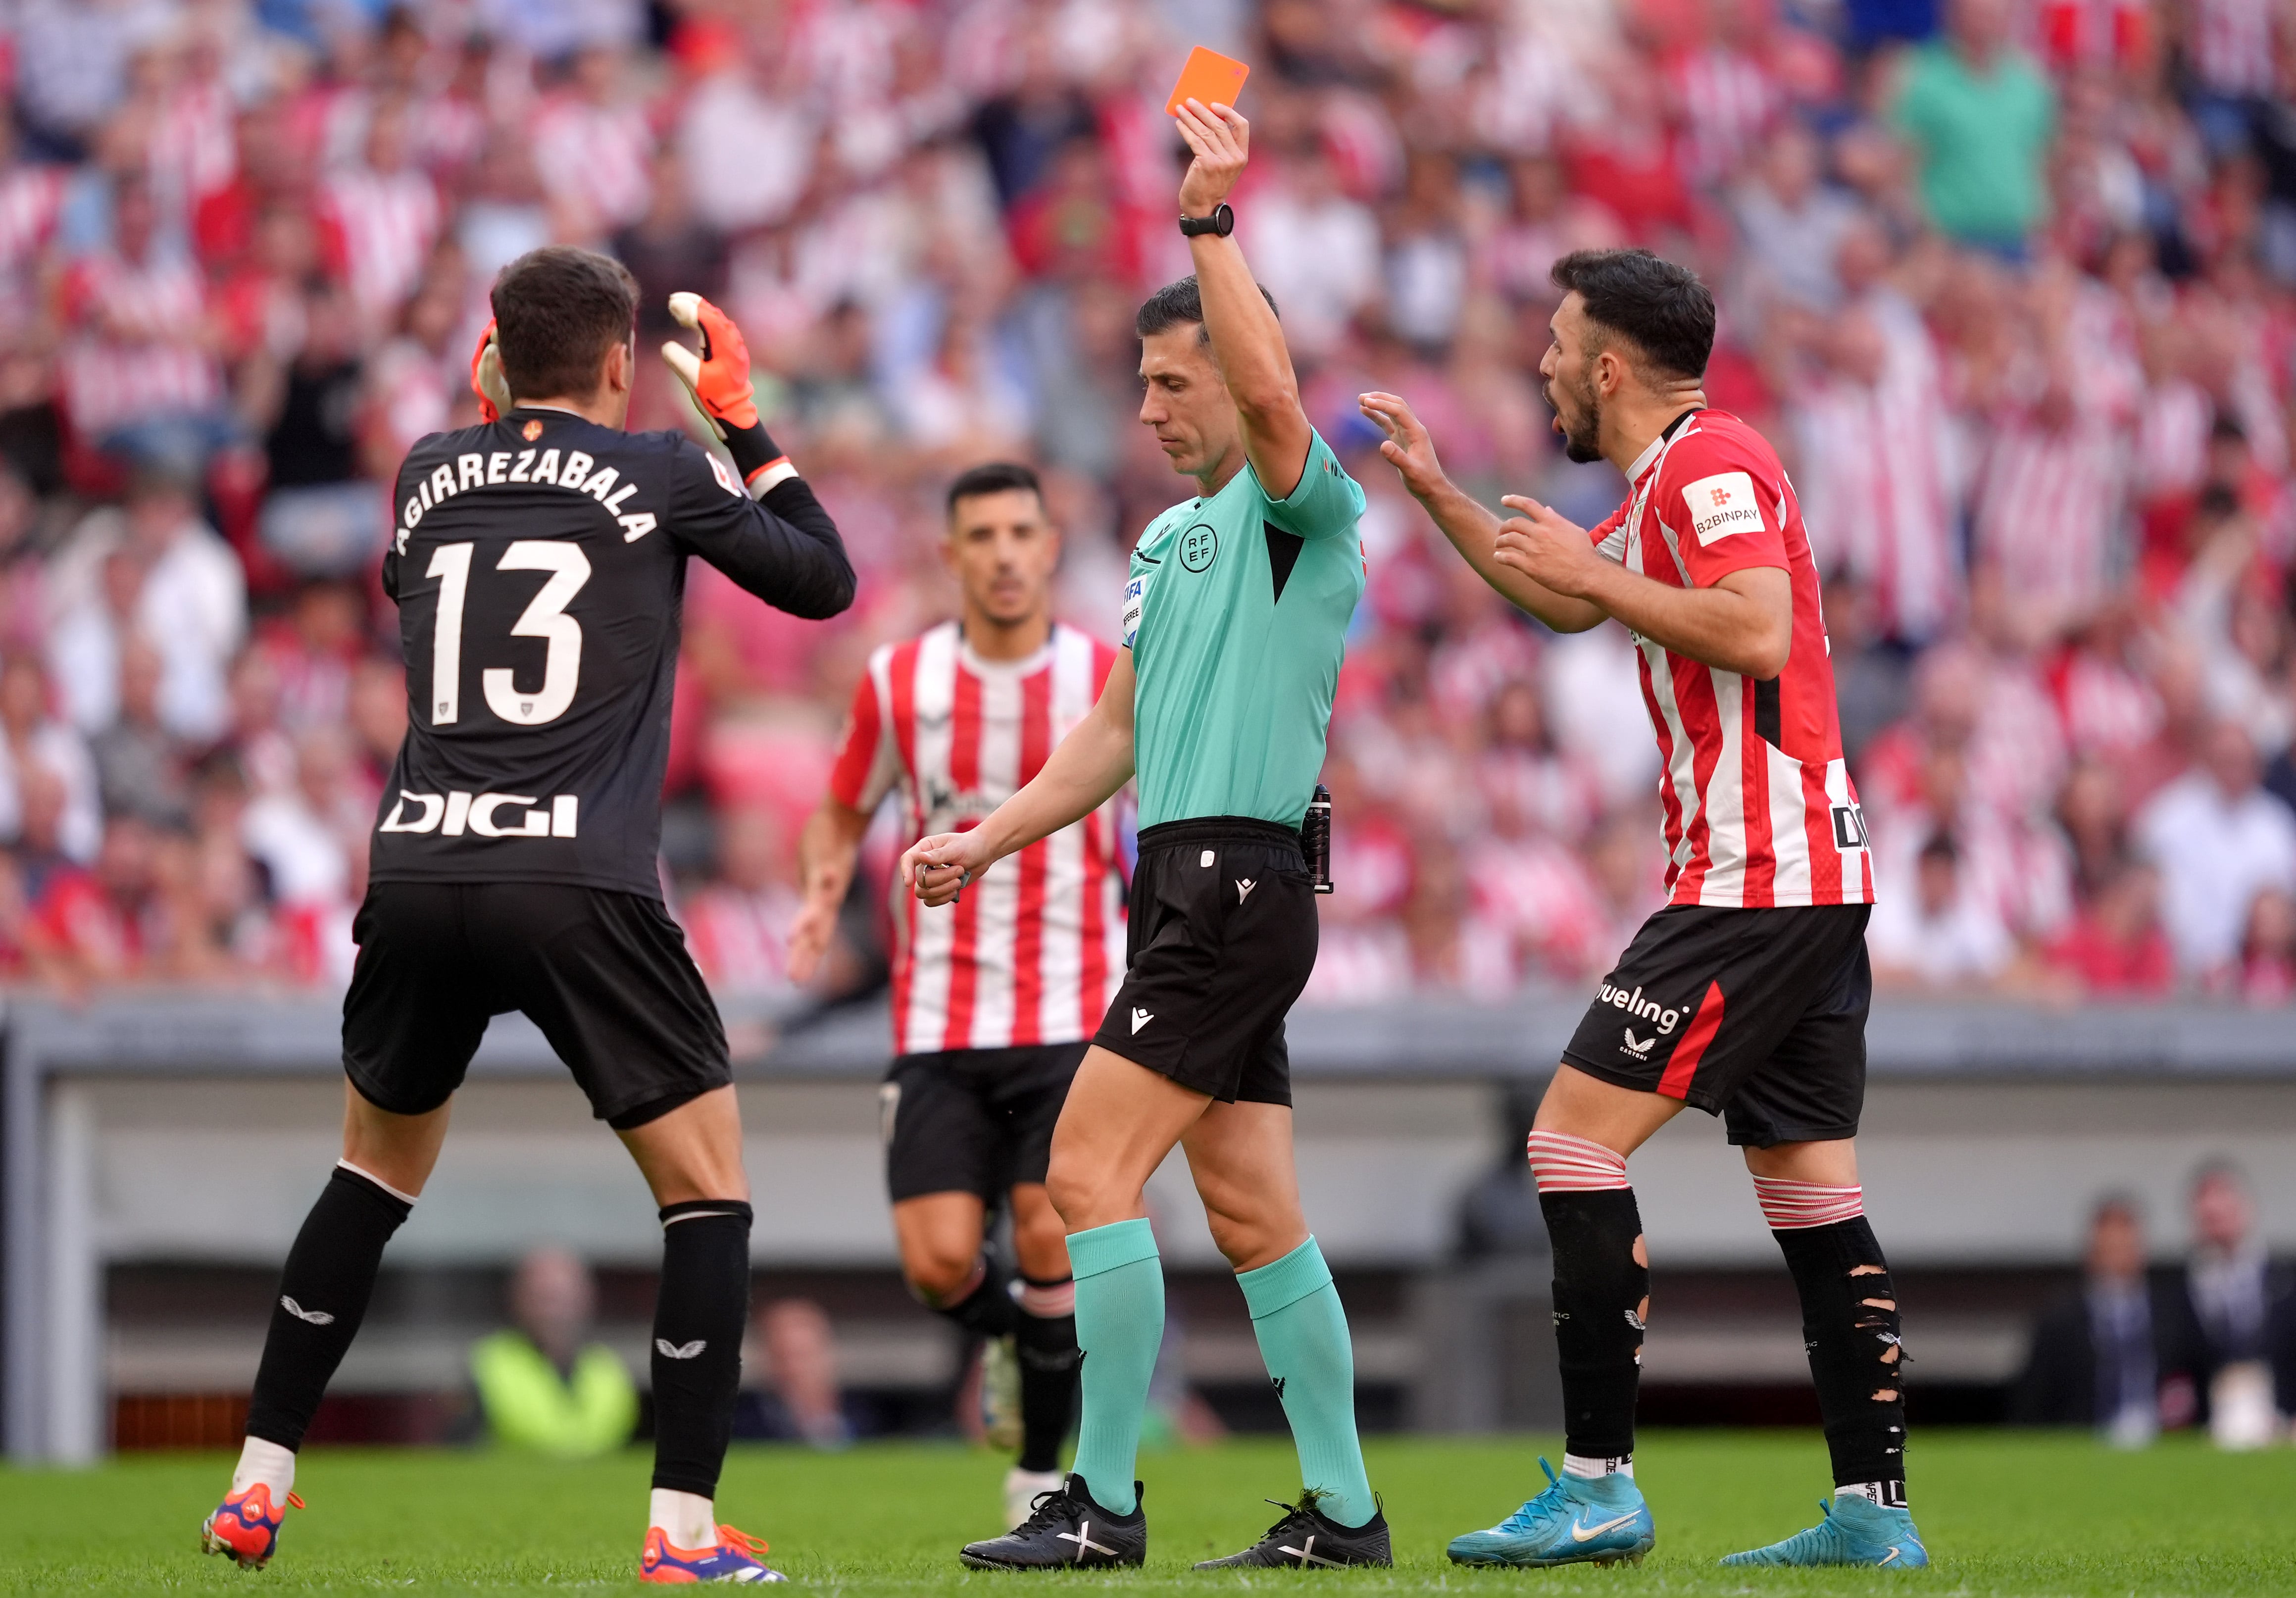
(487, 380)
(718, 378)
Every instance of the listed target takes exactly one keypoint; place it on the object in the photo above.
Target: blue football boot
(1578, 1519)
(1855, 1531)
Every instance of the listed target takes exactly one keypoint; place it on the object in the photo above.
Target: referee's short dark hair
(557, 311)
(993, 477)
(1182, 302)
(1660, 308)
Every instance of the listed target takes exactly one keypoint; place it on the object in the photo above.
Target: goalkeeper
(538, 566)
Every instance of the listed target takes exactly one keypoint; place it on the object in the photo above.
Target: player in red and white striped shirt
(1746, 995)
(992, 1005)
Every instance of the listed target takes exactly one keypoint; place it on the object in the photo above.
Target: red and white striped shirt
(1032, 953)
(600, 156)
(1759, 810)
(390, 220)
(133, 350)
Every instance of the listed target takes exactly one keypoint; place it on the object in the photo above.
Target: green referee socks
(1120, 1321)
(1303, 1337)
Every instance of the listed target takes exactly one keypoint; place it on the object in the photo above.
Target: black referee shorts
(604, 974)
(1219, 944)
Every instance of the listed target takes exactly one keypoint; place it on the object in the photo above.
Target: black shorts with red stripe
(1755, 1015)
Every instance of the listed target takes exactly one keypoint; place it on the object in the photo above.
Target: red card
(1209, 76)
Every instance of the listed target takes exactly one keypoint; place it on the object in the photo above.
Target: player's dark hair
(1182, 301)
(558, 311)
(993, 477)
(1659, 307)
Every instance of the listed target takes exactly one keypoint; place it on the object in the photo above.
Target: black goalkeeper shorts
(1756, 1015)
(1219, 943)
(974, 1121)
(604, 974)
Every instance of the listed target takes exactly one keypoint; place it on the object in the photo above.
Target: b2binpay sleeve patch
(1721, 505)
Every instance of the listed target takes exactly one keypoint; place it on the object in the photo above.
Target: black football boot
(1066, 1529)
(1306, 1539)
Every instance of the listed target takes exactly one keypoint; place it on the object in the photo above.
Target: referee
(538, 565)
(1234, 622)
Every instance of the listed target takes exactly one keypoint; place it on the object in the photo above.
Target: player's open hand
(937, 868)
(1410, 448)
(809, 933)
(1548, 548)
(1222, 142)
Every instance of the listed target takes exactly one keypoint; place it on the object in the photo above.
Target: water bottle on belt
(1316, 838)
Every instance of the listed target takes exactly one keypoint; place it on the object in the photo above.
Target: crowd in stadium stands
(2012, 284)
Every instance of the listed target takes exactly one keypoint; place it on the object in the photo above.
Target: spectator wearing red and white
(2104, 694)
(1875, 438)
(1725, 91)
(739, 922)
(2220, 839)
(2229, 46)
(1545, 221)
(2015, 866)
(411, 386)
(31, 197)
(193, 150)
(593, 146)
(2265, 973)
(1522, 772)
(103, 923)
(1531, 893)
(2077, 35)
(1935, 932)
(136, 363)
(388, 211)
(2114, 947)
(2052, 485)
(31, 735)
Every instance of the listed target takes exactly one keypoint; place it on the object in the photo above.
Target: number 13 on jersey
(544, 618)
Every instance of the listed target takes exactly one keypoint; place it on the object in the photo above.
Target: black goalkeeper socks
(699, 1315)
(1850, 1324)
(323, 1296)
(1602, 1293)
(1045, 1345)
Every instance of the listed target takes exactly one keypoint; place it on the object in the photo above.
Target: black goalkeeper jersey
(539, 565)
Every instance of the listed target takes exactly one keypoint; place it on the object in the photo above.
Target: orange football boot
(245, 1527)
(737, 1557)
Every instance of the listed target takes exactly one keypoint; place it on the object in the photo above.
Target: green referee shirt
(1236, 616)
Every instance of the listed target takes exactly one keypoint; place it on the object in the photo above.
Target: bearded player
(991, 1004)
(1746, 994)
(538, 567)
(1235, 621)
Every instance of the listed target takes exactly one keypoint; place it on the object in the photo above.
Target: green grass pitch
(2005, 1513)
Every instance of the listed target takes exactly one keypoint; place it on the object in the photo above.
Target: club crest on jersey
(1198, 547)
(1722, 504)
(532, 430)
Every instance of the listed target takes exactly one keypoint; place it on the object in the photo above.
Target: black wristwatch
(1222, 222)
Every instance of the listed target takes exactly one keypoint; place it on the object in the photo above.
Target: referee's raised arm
(1246, 339)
